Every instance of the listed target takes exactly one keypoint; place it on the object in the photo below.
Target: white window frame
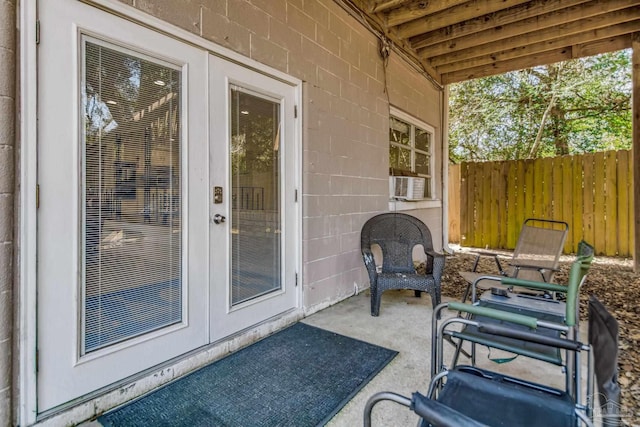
(414, 122)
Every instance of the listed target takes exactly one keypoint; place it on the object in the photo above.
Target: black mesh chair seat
(522, 403)
(397, 234)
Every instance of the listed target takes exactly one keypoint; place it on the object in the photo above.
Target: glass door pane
(255, 194)
(131, 216)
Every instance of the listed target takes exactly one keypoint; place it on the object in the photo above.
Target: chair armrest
(436, 413)
(370, 264)
(494, 255)
(507, 332)
(532, 284)
(485, 253)
(437, 264)
(532, 266)
(506, 316)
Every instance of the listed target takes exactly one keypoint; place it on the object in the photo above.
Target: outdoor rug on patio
(300, 376)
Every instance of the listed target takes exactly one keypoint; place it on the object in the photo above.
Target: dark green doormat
(301, 376)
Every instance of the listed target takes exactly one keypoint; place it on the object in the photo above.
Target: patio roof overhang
(457, 40)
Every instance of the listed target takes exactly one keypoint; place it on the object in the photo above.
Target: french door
(252, 243)
(148, 243)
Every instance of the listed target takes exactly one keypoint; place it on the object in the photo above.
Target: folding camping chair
(554, 318)
(466, 396)
(535, 257)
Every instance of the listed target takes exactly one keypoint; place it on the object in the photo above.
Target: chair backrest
(541, 242)
(396, 234)
(577, 275)
(603, 337)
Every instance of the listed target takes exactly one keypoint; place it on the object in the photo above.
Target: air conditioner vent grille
(406, 187)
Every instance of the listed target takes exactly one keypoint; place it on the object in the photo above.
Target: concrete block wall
(7, 193)
(345, 113)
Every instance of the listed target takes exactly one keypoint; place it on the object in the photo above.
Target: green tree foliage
(577, 106)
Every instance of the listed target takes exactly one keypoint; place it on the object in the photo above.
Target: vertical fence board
(503, 207)
(546, 186)
(569, 203)
(578, 203)
(588, 220)
(496, 196)
(484, 208)
(513, 188)
(465, 199)
(529, 190)
(599, 202)
(611, 206)
(622, 202)
(556, 193)
(454, 203)
(474, 231)
(470, 205)
(520, 213)
(631, 209)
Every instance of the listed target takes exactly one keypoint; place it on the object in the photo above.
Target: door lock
(217, 194)
(219, 219)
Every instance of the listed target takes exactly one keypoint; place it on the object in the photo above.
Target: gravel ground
(613, 281)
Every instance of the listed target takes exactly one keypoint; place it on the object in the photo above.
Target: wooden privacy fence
(489, 201)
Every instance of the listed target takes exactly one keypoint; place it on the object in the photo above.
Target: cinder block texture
(7, 72)
(184, 14)
(6, 273)
(7, 25)
(7, 115)
(6, 218)
(5, 407)
(6, 169)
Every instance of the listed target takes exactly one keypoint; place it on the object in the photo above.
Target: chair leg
(466, 293)
(376, 296)
(435, 299)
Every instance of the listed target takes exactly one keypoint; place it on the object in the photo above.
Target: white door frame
(65, 370)
(226, 320)
(27, 259)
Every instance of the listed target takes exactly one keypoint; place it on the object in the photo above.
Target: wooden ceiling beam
(545, 58)
(607, 33)
(455, 14)
(580, 51)
(416, 9)
(592, 23)
(602, 46)
(497, 19)
(554, 19)
(382, 6)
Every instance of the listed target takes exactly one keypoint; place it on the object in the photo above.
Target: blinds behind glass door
(131, 194)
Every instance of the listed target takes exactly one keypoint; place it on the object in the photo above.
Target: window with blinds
(255, 181)
(131, 210)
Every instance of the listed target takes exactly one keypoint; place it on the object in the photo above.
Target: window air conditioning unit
(406, 187)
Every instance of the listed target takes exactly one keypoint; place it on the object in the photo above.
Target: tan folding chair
(535, 257)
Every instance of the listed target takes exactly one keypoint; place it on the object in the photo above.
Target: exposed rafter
(455, 40)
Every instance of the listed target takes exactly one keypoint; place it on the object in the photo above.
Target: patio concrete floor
(404, 325)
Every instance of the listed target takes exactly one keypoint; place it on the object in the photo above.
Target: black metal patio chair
(397, 235)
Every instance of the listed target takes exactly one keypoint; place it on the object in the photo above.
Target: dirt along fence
(593, 193)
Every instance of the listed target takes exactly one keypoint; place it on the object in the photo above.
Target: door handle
(219, 219)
